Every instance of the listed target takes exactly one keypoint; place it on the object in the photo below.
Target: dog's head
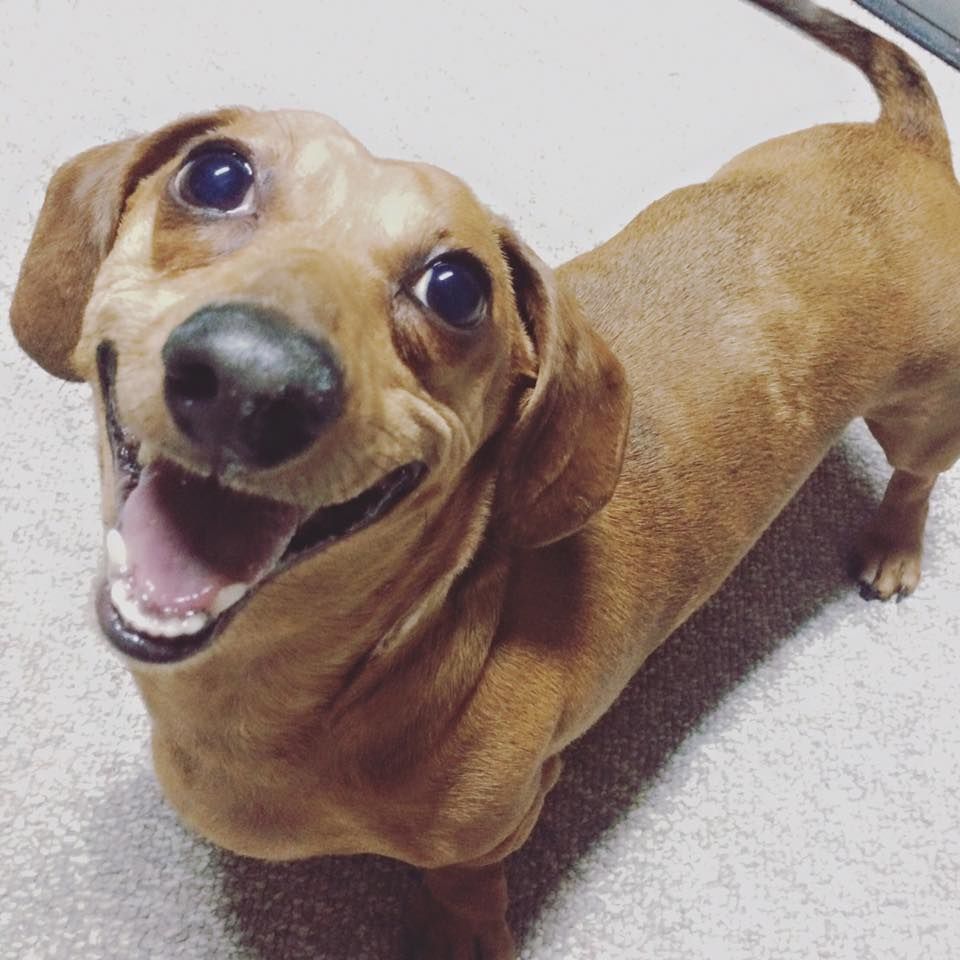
(301, 354)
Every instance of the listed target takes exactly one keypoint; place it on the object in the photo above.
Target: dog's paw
(890, 549)
(454, 940)
(436, 932)
(886, 569)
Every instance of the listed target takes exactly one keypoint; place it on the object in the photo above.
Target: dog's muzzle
(187, 549)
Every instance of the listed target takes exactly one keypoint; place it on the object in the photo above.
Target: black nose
(246, 386)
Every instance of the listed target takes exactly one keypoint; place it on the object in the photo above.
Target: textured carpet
(781, 780)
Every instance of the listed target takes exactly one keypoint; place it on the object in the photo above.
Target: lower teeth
(159, 624)
(150, 623)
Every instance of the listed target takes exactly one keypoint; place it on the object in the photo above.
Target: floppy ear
(74, 232)
(564, 452)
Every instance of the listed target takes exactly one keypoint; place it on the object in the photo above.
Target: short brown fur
(410, 690)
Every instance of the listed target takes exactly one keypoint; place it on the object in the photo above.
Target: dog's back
(811, 281)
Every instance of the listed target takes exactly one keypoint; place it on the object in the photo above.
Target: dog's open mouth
(186, 550)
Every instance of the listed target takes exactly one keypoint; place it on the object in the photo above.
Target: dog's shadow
(338, 908)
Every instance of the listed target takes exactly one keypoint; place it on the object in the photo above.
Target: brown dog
(383, 537)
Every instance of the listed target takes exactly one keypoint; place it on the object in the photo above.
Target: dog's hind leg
(920, 436)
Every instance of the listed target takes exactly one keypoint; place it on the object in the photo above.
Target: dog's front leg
(459, 913)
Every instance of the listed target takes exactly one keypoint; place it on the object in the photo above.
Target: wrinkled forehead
(313, 171)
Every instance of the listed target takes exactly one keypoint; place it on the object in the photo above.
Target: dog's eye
(216, 179)
(456, 289)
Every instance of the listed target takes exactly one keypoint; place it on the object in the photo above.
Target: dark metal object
(934, 24)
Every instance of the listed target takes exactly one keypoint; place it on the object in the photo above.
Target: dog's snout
(244, 385)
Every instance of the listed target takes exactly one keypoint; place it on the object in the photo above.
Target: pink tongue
(187, 537)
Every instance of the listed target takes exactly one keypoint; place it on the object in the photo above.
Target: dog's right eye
(218, 178)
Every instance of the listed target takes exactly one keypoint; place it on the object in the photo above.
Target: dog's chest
(268, 808)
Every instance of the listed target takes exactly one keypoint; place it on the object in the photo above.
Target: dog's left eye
(456, 288)
(219, 178)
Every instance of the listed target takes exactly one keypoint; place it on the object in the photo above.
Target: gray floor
(781, 781)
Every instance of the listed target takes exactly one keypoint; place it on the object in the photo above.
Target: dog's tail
(908, 104)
